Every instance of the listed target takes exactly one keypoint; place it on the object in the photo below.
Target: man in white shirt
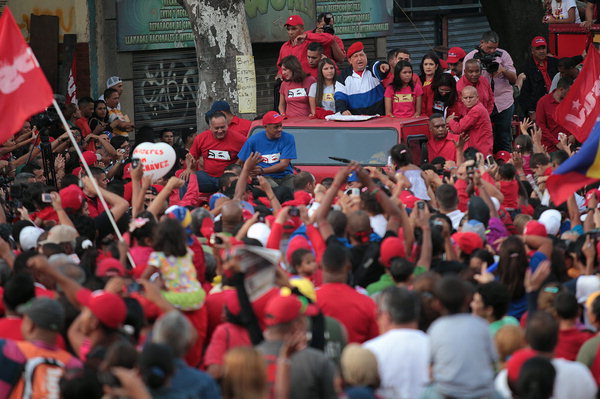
(114, 82)
(402, 350)
(447, 198)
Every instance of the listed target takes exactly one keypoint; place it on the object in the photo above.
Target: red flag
(578, 111)
(71, 85)
(24, 90)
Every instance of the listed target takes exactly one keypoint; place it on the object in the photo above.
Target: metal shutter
(465, 32)
(165, 88)
(406, 36)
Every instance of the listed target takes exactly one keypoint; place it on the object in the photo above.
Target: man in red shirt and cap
(299, 41)
(456, 55)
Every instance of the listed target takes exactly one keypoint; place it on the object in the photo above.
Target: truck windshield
(367, 146)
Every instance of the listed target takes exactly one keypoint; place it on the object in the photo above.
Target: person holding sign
(277, 149)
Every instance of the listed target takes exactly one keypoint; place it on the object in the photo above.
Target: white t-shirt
(403, 360)
(560, 10)
(328, 102)
(573, 380)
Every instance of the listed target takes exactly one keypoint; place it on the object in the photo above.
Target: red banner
(24, 90)
(71, 82)
(578, 111)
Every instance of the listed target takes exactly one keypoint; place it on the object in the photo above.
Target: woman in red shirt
(294, 88)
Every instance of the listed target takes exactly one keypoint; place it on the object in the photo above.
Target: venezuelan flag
(581, 169)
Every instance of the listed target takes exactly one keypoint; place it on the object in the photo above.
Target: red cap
(455, 54)
(294, 20)
(538, 41)
(272, 117)
(535, 228)
(516, 361)
(283, 309)
(76, 171)
(590, 193)
(109, 267)
(467, 241)
(71, 197)
(127, 171)
(408, 199)
(391, 247)
(296, 242)
(90, 157)
(503, 155)
(355, 48)
(108, 308)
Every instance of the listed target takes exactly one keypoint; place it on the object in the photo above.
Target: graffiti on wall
(66, 20)
(166, 90)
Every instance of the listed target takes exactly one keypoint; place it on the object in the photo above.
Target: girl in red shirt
(509, 186)
(403, 97)
(294, 88)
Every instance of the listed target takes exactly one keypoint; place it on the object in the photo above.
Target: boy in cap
(21, 370)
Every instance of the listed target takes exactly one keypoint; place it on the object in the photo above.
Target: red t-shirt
(84, 126)
(225, 337)
(404, 100)
(445, 148)
(214, 304)
(217, 154)
(484, 91)
(357, 312)
(544, 117)
(299, 50)
(10, 328)
(198, 320)
(510, 190)
(239, 125)
(569, 343)
(296, 96)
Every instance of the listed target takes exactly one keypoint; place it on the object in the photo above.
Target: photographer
(498, 68)
(325, 25)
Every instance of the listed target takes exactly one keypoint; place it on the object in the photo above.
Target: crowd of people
(240, 276)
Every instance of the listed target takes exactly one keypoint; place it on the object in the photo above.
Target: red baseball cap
(108, 308)
(467, 241)
(109, 267)
(71, 197)
(283, 309)
(90, 157)
(355, 48)
(296, 242)
(391, 247)
(455, 54)
(294, 20)
(272, 117)
(302, 197)
(408, 199)
(503, 155)
(538, 41)
(535, 228)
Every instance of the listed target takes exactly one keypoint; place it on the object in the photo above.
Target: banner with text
(355, 19)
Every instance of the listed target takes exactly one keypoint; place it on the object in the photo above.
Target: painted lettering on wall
(66, 20)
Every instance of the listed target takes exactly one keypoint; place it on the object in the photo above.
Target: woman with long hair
(293, 100)
(100, 116)
(403, 97)
(321, 93)
(441, 96)
(430, 69)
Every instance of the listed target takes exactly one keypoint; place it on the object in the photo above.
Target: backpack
(41, 374)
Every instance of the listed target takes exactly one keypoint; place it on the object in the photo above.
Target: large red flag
(578, 111)
(24, 90)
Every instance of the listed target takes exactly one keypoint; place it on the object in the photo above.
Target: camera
(488, 61)
(46, 198)
(254, 182)
(135, 162)
(328, 20)
(294, 211)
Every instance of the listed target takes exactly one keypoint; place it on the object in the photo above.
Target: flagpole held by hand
(89, 173)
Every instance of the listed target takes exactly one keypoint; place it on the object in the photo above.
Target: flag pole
(92, 179)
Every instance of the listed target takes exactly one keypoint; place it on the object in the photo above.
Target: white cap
(28, 237)
(112, 81)
(551, 219)
(260, 232)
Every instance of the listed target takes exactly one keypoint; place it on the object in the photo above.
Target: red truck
(367, 142)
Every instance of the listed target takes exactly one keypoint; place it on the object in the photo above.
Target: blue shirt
(193, 383)
(272, 151)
